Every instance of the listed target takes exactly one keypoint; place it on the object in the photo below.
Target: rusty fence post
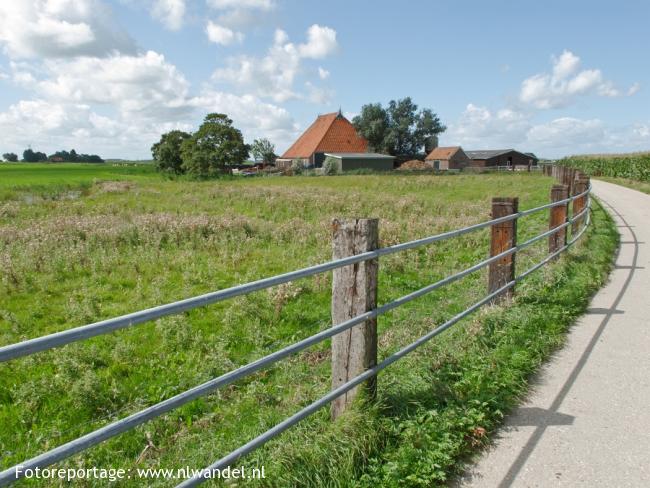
(503, 237)
(570, 179)
(579, 204)
(557, 240)
(354, 291)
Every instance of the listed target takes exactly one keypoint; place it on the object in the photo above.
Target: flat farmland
(94, 242)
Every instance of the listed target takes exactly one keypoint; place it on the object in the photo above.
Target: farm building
(331, 133)
(448, 158)
(501, 157)
(351, 161)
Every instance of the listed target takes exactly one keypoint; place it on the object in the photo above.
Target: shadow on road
(552, 413)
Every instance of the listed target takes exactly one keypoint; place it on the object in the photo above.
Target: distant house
(501, 157)
(330, 133)
(452, 157)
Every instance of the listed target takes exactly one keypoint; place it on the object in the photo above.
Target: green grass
(51, 180)
(140, 241)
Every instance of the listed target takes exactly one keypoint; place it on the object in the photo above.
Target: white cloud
(634, 89)
(318, 95)
(273, 76)
(643, 132)
(478, 126)
(565, 65)
(245, 4)
(241, 14)
(255, 117)
(60, 28)
(323, 73)
(69, 125)
(142, 86)
(222, 35)
(565, 83)
(170, 12)
(321, 42)
(567, 132)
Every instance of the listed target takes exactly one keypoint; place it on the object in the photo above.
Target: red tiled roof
(329, 133)
(443, 152)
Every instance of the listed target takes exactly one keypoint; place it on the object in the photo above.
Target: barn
(352, 161)
(452, 157)
(501, 157)
(330, 133)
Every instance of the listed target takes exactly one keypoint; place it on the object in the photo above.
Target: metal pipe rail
(263, 438)
(57, 339)
(93, 438)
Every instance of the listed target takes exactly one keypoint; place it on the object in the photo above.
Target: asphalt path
(587, 419)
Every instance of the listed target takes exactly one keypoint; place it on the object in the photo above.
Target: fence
(354, 313)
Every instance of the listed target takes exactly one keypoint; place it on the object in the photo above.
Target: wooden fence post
(580, 186)
(354, 291)
(504, 237)
(558, 217)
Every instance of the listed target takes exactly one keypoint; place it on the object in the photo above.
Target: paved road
(587, 421)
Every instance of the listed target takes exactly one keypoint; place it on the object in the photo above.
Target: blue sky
(110, 76)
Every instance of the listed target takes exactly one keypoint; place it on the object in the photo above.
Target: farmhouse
(452, 157)
(330, 133)
(501, 157)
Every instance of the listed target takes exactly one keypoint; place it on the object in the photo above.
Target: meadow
(91, 243)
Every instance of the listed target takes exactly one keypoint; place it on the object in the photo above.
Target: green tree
(263, 150)
(373, 124)
(11, 157)
(33, 157)
(427, 130)
(167, 152)
(400, 129)
(214, 146)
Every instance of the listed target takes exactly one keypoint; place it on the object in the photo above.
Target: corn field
(632, 166)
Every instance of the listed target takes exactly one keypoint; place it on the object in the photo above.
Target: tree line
(31, 156)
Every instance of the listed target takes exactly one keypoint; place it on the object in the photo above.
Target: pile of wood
(414, 165)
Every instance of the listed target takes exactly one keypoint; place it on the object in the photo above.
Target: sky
(109, 77)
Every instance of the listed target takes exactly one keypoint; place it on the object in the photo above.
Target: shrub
(297, 167)
(330, 166)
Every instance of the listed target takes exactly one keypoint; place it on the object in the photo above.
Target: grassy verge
(642, 186)
(140, 242)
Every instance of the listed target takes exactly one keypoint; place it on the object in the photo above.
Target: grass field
(97, 242)
(53, 180)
